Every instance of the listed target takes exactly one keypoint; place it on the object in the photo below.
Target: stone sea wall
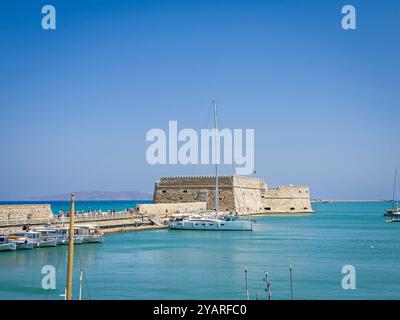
(169, 208)
(24, 213)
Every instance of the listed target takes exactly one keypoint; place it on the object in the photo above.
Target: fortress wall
(170, 208)
(288, 191)
(248, 200)
(191, 189)
(25, 212)
(248, 182)
(287, 206)
(242, 194)
(287, 199)
(177, 195)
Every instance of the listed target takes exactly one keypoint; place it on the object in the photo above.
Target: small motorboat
(21, 242)
(88, 234)
(36, 239)
(7, 244)
(60, 234)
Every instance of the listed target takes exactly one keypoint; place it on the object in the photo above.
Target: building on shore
(244, 195)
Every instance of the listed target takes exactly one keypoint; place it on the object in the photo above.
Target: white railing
(97, 217)
(87, 217)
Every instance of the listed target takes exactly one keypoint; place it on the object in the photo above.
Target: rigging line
(192, 170)
(84, 274)
(80, 262)
(86, 284)
(244, 249)
(397, 188)
(58, 265)
(290, 268)
(245, 264)
(394, 187)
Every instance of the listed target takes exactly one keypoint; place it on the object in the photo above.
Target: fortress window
(267, 208)
(180, 198)
(220, 198)
(305, 208)
(263, 197)
(299, 191)
(184, 191)
(291, 208)
(164, 191)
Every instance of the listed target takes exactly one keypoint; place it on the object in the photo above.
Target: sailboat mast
(70, 249)
(397, 189)
(216, 197)
(395, 198)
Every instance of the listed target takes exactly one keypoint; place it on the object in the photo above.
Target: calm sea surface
(210, 265)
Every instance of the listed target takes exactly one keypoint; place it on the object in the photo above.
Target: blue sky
(76, 102)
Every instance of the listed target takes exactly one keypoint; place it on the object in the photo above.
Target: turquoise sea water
(210, 265)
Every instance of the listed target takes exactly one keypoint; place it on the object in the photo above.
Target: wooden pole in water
(71, 249)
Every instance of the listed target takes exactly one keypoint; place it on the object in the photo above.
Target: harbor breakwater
(14, 217)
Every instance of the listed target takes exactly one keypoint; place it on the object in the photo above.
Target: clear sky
(76, 102)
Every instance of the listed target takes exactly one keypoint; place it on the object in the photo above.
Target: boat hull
(8, 247)
(93, 239)
(392, 213)
(24, 246)
(212, 226)
(46, 243)
(62, 241)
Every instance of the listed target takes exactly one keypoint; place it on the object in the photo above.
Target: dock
(108, 222)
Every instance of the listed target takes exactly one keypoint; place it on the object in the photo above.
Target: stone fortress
(244, 195)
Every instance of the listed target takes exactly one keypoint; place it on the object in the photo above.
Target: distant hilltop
(94, 195)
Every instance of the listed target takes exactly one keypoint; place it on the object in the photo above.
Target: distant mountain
(94, 195)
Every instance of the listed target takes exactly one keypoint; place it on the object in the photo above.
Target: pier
(108, 222)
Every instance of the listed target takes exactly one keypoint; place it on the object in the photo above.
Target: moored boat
(60, 234)
(216, 224)
(7, 244)
(88, 233)
(21, 242)
(214, 221)
(395, 211)
(393, 220)
(36, 240)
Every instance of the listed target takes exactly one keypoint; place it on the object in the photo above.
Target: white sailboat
(215, 222)
(395, 211)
